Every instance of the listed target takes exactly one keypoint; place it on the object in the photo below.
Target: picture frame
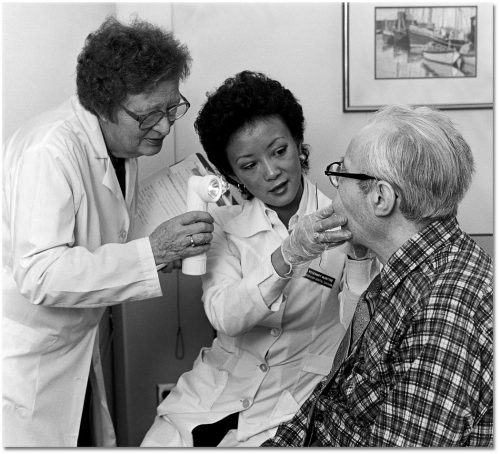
(366, 91)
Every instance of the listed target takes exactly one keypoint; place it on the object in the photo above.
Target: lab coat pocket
(285, 408)
(213, 378)
(23, 348)
(318, 364)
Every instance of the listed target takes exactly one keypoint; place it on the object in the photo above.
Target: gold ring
(192, 241)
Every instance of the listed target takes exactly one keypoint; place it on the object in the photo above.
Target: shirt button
(275, 332)
(264, 367)
(123, 234)
(245, 403)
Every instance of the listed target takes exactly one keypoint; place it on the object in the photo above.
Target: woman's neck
(286, 212)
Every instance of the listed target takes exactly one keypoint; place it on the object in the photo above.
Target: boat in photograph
(468, 54)
(468, 59)
(457, 34)
(455, 43)
(440, 54)
(419, 36)
(388, 37)
(400, 31)
(436, 69)
(421, 28)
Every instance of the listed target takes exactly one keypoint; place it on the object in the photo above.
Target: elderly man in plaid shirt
(421, 372)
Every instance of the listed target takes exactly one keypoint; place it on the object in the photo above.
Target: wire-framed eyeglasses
(152, 119)
(334, 170)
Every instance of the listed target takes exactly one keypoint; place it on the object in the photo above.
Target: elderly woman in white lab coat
(279, 300)
(69, 199)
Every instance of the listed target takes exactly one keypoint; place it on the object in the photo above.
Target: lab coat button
(245, 403)
(275, 332)
(264, 367)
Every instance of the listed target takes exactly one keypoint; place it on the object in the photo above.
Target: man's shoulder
(460, 279)
(465, 261)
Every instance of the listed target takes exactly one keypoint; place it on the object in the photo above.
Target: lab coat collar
(256, 217)
(90, 124)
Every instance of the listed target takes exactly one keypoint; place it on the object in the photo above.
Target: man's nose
(163, 126)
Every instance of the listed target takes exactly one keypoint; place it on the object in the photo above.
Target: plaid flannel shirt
(422, 375)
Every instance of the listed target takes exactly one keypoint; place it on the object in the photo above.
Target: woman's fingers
(197, 228)
(333, 236)
(331, 222)
(199, 239)
(195, 250)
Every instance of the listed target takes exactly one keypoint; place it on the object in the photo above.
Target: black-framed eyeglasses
(152, 119)
(334, 170)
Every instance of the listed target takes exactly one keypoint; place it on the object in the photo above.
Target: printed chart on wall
(162, 195)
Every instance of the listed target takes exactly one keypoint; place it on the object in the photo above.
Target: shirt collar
(417, 250)
(256, 217)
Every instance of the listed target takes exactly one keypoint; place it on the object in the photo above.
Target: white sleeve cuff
(271, 285)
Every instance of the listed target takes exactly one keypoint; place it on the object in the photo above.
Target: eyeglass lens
(173, 113)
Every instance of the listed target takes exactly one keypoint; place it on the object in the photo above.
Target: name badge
(320, 278)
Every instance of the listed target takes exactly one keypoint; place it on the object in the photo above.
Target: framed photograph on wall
(417, 54)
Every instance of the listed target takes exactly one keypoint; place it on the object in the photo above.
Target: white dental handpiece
(200, 192)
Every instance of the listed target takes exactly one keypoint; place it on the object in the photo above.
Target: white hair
(422, 155)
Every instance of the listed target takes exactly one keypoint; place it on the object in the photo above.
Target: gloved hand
(312, 235)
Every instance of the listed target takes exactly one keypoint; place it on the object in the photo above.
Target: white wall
(40, 44)
(299, 44)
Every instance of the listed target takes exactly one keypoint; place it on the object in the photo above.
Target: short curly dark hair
(119, 60)
(241, 100)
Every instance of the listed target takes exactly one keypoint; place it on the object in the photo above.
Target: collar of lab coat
(90, 125)
(256, 217)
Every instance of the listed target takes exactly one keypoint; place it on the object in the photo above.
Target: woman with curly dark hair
(70, 185)
(279, 289)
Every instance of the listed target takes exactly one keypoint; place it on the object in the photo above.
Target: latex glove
(313, 235)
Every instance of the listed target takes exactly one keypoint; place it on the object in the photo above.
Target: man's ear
(383, 198)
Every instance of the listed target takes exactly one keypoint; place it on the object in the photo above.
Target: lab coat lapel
(250, 221)
(90, 125)
(130, 181)
(110, 180)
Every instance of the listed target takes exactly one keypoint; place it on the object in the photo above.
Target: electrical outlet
(163, 390)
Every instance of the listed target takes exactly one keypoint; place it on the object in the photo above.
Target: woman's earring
(241, 188)
(302, 157)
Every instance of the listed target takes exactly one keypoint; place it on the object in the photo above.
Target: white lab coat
(65, 257)
(276, 338)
